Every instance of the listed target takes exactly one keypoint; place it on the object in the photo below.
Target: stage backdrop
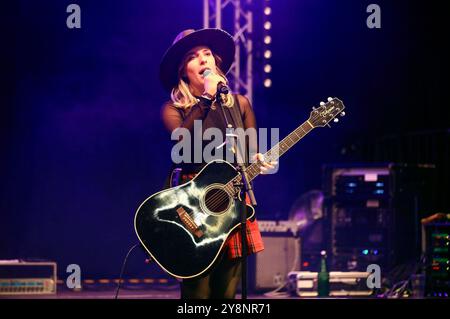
(82, 141)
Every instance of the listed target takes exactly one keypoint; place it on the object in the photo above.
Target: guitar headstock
(326, 112)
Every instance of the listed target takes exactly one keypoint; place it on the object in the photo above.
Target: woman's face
(197, 60)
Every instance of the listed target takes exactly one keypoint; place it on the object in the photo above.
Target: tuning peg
(314, 108)
(328, 125)
(330, 99)
(336, 120)
(342, 113)
(322, 103)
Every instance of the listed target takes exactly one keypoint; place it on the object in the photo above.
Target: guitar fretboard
(273, 154)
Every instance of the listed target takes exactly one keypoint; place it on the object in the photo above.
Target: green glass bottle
(323, 277)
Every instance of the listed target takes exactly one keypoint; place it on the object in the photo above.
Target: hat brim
(219, 41)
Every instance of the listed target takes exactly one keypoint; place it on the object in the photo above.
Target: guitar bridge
(189, 223)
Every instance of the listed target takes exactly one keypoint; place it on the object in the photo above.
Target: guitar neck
(279, 149)
(319, 117)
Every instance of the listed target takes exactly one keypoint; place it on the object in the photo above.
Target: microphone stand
(246, 187)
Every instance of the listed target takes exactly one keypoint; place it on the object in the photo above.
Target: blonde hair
(182, 96)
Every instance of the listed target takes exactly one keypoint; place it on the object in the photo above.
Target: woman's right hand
(267, 167)
(211, 82)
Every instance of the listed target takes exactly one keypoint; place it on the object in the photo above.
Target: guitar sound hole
(217, 200)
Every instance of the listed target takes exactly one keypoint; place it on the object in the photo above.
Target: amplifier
(438, 255)
(373, 212)
(268, 269)
(27, 278)
(354, 183)
(352, 283)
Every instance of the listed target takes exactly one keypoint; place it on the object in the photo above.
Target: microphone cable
(123, 268)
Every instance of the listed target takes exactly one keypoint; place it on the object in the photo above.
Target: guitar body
(185, 227)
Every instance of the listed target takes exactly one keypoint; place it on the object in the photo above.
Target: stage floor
(165, 292)
(124, 294)
(162, 292)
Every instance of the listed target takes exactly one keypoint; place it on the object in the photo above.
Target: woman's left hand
(266, 167)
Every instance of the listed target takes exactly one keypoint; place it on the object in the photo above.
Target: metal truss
(241, 72)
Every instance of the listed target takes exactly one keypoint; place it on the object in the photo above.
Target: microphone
(221, 87)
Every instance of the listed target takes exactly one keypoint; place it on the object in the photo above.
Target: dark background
(82, 141)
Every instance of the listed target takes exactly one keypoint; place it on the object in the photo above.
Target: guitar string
(218, 198)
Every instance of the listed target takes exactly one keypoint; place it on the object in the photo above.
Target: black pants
(220, 283)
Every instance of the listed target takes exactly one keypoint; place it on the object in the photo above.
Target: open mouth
(203, 71)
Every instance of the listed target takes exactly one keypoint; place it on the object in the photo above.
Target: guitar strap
(236, 115)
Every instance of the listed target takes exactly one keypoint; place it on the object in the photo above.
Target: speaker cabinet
(269, 269)
(373, 212)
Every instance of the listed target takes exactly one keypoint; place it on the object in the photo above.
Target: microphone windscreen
(206, 72)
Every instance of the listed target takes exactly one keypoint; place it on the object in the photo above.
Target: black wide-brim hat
(219, 41)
